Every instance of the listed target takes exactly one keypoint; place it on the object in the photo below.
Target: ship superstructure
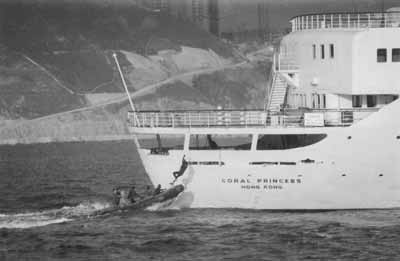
(328, 137)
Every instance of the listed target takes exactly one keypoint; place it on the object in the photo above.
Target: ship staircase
(283, 75)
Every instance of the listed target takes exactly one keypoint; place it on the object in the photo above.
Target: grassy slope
(28, 92)
(175, 96)
(74, 42)
(71, 39)
(235, 88)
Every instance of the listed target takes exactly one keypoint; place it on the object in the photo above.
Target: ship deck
(303, 118)
(353, 20)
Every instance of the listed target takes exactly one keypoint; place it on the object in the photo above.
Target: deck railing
(243, 118)
(282, 63)
(346, 20)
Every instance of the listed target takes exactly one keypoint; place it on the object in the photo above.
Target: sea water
(49, 194)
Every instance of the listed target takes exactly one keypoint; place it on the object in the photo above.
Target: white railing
(247, 118)
(346, 20)
(270, 85)
(282, 63)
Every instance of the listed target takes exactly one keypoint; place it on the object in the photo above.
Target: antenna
(126, 88)
(353, 6)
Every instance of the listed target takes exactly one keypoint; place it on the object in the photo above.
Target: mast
(126, 88)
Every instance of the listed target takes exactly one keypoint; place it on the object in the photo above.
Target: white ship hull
(356, 167)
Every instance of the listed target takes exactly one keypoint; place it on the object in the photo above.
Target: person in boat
(125, 196)
(124, 199)
(182, 169)
(133, 196)
(148, 192)
(117, 196)
(157, 190)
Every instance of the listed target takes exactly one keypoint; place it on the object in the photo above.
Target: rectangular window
(357, 101)
(161, 141)
(324, 101)
(396, 55)
(381, 55)
(314, 51)
(220, 142)
(313, 100)
(371, 101)
(287, 141)
(332, 51)
(322, 51)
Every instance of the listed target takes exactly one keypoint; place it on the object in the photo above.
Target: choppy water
(49, 192)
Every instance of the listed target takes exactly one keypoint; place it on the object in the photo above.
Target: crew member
(148, 192)
(124, 199)
(180, 172)
(157, 190)
(212, 144)
(133, 195)
(117, 196)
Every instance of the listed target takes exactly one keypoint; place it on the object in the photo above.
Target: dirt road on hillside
(145, 90)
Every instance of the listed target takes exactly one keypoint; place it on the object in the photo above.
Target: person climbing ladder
(181, 171)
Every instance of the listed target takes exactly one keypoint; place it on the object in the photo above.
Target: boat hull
(323, 185)
(356, 167)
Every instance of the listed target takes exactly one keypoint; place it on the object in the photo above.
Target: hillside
(58, 53)
(29, 92)
(241, 87)
(57, 58)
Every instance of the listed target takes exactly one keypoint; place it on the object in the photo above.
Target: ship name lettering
(282, 181)
(260, 180)
(236, 181)
(250, 187)
(273, 187)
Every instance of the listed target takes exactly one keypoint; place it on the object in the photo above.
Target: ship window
(322, 51)
(289, 141)
(313, 101)
(314, 51)
(381, 55)
(161, 141)
(396, 55)
(323, 101)
(332, 51)
(220, 142)
(357, 102)
(371, 100)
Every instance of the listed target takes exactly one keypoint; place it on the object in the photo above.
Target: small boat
(163, 196)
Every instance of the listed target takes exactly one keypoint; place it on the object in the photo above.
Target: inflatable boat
(145, 202)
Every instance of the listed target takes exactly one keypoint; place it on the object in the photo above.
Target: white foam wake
(183, 200)
(47, 217)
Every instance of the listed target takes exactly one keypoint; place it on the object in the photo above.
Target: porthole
(343, 175)
(349, 137)
(381, 175)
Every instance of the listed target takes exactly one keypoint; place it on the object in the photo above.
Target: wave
(53, 216)
(183, 200)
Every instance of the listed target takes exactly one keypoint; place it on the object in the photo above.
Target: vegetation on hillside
(239, 88)
(175, 96)
(57, 52)
(26, 91)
